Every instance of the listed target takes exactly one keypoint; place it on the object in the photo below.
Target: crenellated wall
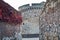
(33, 6)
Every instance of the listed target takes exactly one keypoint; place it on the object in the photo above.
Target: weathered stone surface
(50, 20)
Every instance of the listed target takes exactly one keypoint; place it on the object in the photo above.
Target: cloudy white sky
(17, 3)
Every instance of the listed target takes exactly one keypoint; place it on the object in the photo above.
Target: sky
(17, 3)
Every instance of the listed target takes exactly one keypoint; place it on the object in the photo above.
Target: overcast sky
(17, 3)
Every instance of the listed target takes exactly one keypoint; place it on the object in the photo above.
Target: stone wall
(49, 20)
(7, 30)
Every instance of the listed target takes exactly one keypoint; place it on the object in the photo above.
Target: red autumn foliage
(9, 14)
